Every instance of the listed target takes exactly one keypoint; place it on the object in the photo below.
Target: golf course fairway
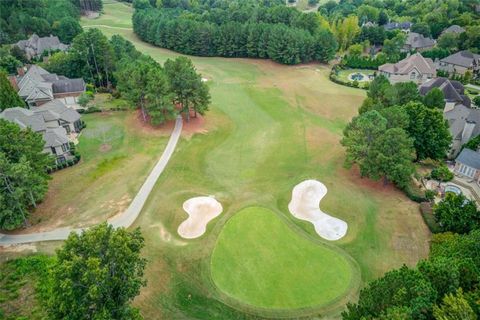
(260, 261)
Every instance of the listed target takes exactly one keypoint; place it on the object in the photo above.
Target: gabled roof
(39, 84)
(458, 116)
(24, 118)
(55, 137)
(454, 29)
(418, 41)
(463, 58)
(453, 91)
(405, 66)
(57, 110)
(36, 45)
(470, 158)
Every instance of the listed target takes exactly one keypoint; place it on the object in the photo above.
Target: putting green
(262, 262)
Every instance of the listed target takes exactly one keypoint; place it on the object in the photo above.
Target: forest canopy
(236, 29)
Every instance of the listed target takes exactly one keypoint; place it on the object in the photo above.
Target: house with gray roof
(55, 113)
(464, 124)
(453, 91)
(414, 68)
(402, 26)
(38, 86)
(418, 42)
(54, 121)
(35, 46)
(467, 164)
(456, 29)
(460, 63)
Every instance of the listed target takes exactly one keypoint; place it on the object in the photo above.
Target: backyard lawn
(269, 128)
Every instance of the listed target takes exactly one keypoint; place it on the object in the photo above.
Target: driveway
(126, 218)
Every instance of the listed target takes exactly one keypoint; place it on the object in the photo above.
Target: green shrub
(430, 194)
(441, 173)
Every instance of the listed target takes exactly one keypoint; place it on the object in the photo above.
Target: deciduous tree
(97, 275)
(456, 213)
(9, 98)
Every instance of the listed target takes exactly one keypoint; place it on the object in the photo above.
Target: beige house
(460, 63)
(414, 68)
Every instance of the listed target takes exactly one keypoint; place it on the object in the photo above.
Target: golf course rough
(260, 261)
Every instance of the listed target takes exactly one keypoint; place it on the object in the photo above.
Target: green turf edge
(333, 307)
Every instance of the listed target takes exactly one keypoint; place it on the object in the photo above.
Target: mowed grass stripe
(260, 261)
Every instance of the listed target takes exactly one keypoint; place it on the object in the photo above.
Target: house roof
(417, 41)
(56, 109)
(68, 85)
(463, 58)
(55, 137)
(453, 91)
(415, 61)
(36, 45)
(397, 25)
(453, 29)
(24, 118)
(469, 158)
(39, 84)
(458, 116)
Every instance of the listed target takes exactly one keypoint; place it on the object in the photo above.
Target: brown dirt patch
(196, 125)
(105, 147)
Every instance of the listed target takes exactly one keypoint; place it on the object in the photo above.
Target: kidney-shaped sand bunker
(305, 205)
(201, 210)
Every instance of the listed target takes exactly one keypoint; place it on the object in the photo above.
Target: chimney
(21, 71)
(467, 131)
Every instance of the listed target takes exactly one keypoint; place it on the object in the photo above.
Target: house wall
(68, 98)
(451, 68)
(394, 78)
(466, 171)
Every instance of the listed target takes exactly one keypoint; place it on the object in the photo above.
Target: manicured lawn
(261, 261)
(116, 14)
(117, 155)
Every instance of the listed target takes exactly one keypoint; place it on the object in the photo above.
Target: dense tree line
(278, 33)
(19, 19)
(430, 17)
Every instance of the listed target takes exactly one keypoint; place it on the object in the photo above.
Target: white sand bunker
(306, 197)
(200, 211)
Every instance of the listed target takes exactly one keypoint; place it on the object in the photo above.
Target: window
(67, 128)
(412, 75)
(54, 151)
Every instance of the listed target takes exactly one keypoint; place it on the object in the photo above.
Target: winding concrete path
(126, 218)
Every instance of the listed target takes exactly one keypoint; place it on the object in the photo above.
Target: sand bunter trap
(305, 203)
(200, 211)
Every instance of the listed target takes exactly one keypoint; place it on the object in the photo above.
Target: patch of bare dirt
(105, 147)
